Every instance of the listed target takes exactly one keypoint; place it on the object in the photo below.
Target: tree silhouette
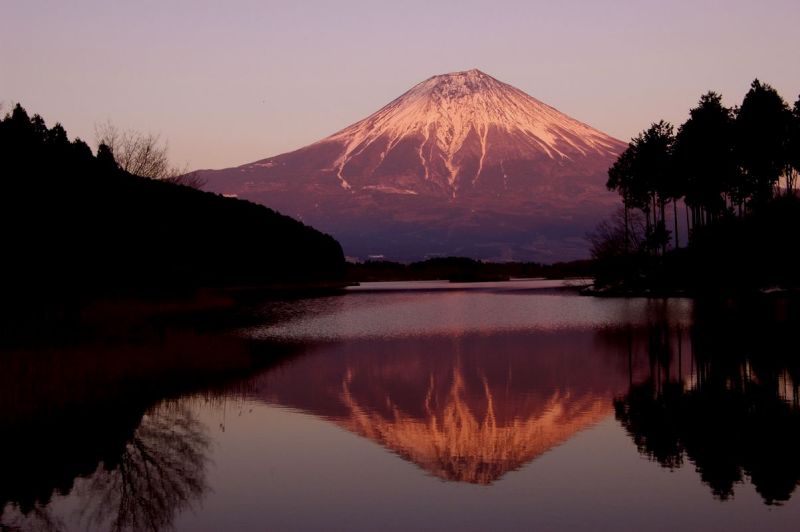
(622, 177)
(617, 235)
(642, 176)
(144, 155)
(105, 159)
(704, 157)
(793, 151)
(141, 154)
(762, 124)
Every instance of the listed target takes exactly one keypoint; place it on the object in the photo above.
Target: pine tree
(762, 125)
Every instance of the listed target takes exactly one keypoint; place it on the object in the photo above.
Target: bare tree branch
(143, 154)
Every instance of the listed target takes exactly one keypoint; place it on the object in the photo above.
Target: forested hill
(72, 220)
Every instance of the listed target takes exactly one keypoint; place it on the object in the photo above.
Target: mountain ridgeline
(461, 164)
(74, 222)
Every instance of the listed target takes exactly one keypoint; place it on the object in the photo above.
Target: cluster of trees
(721, 163)
(75, 220)
(735, 171)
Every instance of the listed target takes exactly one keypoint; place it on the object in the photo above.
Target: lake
(409, 406)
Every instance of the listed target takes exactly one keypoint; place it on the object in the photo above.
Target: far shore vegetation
(462, 269)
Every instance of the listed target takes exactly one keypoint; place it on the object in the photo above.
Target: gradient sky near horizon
(231, 82)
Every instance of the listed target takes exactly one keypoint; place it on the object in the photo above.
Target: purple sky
(231, 82)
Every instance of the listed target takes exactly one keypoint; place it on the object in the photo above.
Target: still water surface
(433, 406)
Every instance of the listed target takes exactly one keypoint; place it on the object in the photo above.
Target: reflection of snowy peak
(456, 406)
(454, 147)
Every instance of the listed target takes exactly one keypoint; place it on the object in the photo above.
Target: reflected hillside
(92, 413)
(734, 413)
(468, 408)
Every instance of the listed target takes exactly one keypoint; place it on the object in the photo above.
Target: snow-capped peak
(446, 109)
(460, 164)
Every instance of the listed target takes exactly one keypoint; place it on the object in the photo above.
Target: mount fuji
(461, 164)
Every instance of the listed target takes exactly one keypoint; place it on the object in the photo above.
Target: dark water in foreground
(509, 406)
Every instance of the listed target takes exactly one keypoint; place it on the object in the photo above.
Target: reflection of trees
(726, 433)
(78, 384)
(733, 412)
(161, 472)
(38, 518)
(142, 482)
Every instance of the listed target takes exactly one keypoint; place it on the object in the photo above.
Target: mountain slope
(460, 164)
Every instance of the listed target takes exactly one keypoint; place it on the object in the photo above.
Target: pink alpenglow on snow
(461, 164)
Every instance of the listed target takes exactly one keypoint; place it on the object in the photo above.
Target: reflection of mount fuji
(456, 441)
(467, 408)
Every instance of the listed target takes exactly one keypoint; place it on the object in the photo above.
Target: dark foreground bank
(74, 223)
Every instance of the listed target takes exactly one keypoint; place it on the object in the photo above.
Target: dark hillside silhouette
(72, 221)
